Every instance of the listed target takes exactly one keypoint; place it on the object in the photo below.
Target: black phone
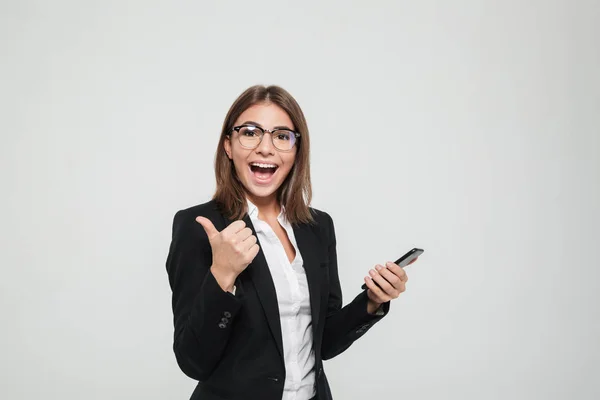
(404, 260)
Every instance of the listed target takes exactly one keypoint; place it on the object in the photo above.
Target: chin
(262, 192)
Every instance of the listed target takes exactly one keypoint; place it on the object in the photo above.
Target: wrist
(225, 280)
(372, 306)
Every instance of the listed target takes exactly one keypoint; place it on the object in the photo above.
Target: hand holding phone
(408, 258)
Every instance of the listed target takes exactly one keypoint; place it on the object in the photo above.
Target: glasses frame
(262, 135)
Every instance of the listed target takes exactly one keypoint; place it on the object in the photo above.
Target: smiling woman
(260, 113)
(257, 301)
(267, 168)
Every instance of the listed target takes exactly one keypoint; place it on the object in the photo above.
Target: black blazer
(232, 344)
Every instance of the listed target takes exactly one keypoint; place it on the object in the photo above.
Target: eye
(285, 135)
(249, 131)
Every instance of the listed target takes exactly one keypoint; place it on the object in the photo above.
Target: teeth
(264, 165)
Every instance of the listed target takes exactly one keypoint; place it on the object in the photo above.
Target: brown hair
(295, 193)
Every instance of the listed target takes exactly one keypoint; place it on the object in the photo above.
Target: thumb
(208, 226)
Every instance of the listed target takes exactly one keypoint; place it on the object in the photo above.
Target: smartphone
(404, 260)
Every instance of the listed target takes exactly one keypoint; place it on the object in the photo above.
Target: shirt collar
(253, 211)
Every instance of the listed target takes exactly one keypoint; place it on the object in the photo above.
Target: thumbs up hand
(233, 249)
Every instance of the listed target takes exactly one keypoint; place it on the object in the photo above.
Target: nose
(266, 144)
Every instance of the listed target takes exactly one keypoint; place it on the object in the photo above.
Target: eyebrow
(274, 128)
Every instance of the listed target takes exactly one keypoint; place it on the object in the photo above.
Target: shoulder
(184, 221)
(320, 216)
(208, 210)
(323, 222)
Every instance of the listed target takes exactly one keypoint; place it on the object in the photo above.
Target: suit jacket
(232, 344)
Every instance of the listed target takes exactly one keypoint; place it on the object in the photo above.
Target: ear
(227, 146)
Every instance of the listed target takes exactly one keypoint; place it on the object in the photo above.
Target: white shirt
(294, 307)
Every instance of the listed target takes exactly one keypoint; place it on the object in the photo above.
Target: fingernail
(372, 272)
(378, 267)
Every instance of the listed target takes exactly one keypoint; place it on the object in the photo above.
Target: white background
(468, 128)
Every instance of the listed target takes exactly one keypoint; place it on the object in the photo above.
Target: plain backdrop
(467, 128)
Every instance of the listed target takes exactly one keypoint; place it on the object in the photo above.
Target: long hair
(295, 193)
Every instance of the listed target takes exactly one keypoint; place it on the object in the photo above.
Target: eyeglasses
(251, 136)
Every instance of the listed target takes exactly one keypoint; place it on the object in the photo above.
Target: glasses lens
(250, 136)
(283, 140)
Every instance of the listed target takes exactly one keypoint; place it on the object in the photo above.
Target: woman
(256, 322)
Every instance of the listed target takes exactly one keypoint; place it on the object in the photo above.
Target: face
(261, 184)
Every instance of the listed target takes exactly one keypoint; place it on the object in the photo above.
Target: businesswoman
(256, 300)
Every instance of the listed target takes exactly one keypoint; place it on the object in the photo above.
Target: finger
(208, 226)
(397, 270)
(234, 228)
(244, 234)
(413, 261)
(252, 252)
(386, 286)
(401, 288)
(375, 290)
(249, 242)
(392, 278)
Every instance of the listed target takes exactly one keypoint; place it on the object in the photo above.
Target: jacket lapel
(309, 248)
(261, 278)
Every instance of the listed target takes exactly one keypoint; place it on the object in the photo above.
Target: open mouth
(263, 172)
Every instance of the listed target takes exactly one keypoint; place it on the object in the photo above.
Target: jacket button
(227, 314)
(224, 320)
(222, 325)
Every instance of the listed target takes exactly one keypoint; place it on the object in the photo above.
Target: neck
(268, 207)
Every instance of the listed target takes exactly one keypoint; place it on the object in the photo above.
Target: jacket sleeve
(202, 311)
(344, 325)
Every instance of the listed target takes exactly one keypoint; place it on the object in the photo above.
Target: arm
(202, 311)
(344, 325)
